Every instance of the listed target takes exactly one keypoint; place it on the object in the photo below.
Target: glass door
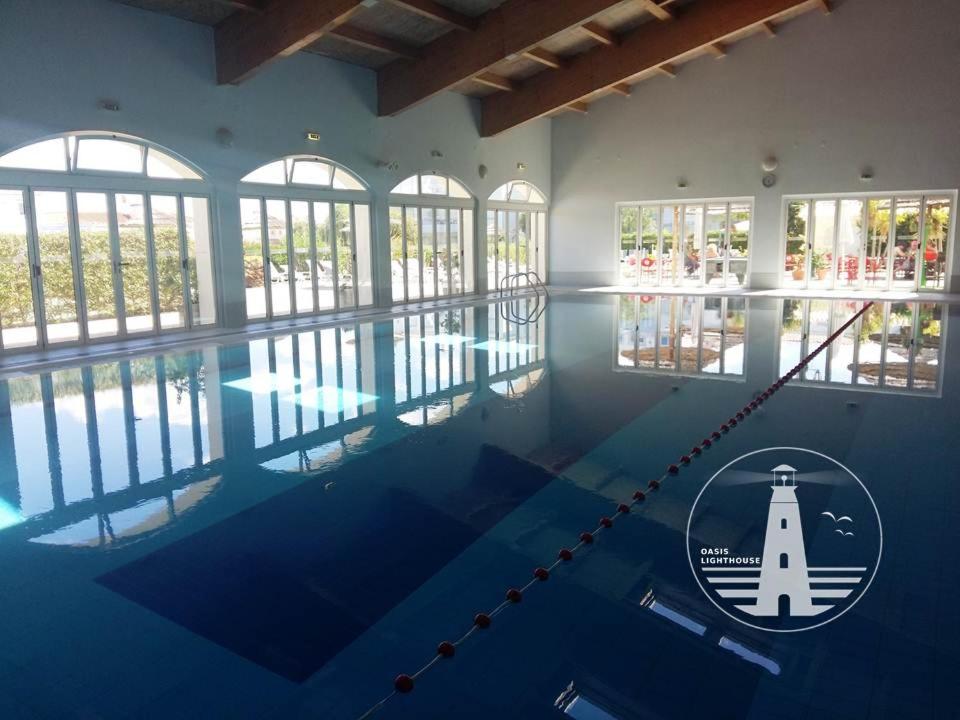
(693, 246)
(324, 270)
(102, 264)
(135, 263)
(168, 258)
(736, 252)
(278, 258)
(346, 265)
(18, 321)
(303, 256)
(671, 254)
(876, 267)
(428, 247)
(848, 268)
(56, 268)
(629, 251)
(93, 215)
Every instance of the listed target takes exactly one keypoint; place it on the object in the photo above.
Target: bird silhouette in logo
(837, 521)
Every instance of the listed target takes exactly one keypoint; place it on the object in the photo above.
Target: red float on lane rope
(586, 538)
(541, 574)
(606, 522)
(481, 620)
(403, 683)
(565, 554)
(446, 649)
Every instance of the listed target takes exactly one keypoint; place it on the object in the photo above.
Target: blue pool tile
(299, 577)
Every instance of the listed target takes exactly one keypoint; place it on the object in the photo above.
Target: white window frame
(418, 203)
(293, 192)
(685, 202)
(109, 183)
(539, 212)
(921, 195)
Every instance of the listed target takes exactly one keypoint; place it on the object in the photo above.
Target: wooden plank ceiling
(524, 59)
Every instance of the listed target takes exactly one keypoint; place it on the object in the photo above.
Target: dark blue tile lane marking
(292, 581)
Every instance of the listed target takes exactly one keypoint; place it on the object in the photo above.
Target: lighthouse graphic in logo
(767, 579)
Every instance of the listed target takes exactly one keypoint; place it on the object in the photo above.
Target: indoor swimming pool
(280, 526)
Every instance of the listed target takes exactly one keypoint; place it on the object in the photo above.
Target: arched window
(516, 233)
(784, 561)
(431, 238)
(306, 236)
(102, 236)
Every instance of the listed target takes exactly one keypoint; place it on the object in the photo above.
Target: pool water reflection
(276, 528)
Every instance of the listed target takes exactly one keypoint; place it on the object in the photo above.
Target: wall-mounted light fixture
(521, 166)
(866, 175)
(682, 183)
(108, 105)
(312, 136)
(224, 137)
(770, 163)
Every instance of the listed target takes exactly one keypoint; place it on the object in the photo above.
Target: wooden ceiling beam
(826, 6)
(439, 13)
(656, 9)
(718, 50)
(599, 33)
(544, 57)
(649, 47)
(769, 29)
(372, 41)
(621, 89)
(668, 69)
(248, 5)
(495, 81)
(246, 41)
(579, 106)
(512, 28)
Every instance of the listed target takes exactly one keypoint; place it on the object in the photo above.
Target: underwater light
(9, 516)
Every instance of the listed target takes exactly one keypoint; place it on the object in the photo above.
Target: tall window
(516, 233)
(306, 239)
(431, 238)
(101, 237)
(880, 241)
(694, 243)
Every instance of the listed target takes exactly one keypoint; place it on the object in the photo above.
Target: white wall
(872, 84)
(59, 57)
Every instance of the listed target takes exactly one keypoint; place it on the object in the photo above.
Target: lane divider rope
(447, 650)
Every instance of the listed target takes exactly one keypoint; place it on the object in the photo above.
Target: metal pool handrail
(510, 311)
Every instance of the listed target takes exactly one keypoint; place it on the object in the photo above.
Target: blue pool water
(276, 528)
